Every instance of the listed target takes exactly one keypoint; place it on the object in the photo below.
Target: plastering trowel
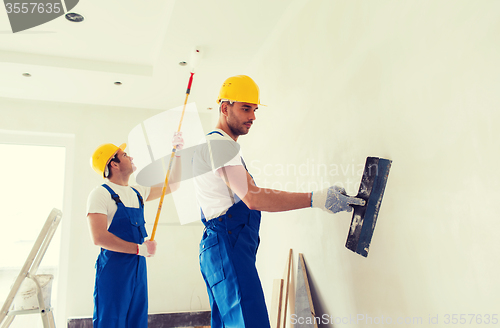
(364, 217)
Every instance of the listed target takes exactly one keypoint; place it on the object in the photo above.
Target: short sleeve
(97, 201)
(223, 153)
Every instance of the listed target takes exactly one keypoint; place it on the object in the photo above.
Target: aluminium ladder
(29, 270)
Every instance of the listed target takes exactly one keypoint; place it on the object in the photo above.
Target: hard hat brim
(219, 101)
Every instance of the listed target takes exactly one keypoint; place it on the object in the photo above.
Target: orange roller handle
(172, 155)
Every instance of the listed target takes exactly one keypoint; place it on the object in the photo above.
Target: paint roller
(364, 218)
(195, 56)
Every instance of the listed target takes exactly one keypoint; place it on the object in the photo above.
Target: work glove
(177, 141)
(147, 249)
(334, 199)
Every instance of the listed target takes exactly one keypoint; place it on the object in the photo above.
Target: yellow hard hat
(240, 88)
(103, 155)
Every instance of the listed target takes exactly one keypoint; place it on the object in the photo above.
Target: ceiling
(140, 44)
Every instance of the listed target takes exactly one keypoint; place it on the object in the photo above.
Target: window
(33, 183)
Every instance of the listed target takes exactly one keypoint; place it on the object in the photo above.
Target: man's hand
(177, 141)
(334, 199)
(147, 249)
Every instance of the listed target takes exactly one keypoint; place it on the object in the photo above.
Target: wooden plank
(304, 308)
(276, 303)
(286, 276)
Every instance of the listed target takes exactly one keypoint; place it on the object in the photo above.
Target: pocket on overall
(247, 242)
(233, 232)
(102, 261)
(211, 260)
(136, 218)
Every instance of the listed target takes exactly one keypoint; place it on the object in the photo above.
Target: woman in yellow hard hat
(115, 213)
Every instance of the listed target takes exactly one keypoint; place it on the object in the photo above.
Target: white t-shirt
(212, 193)
(100, 201)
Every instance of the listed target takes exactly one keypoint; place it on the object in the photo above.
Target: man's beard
(237, 129)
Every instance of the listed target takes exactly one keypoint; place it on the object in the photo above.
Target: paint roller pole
(172, 155)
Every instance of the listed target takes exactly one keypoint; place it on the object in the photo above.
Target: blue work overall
(228, 252)
(121, 292)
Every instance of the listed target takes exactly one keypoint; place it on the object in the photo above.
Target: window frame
(68, 142)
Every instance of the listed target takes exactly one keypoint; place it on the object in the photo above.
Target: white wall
(413, 81)
(175, 283)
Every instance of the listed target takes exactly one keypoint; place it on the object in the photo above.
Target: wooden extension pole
(172, 156)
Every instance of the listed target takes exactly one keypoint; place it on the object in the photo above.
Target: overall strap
(117, 199)
(244, 165)
(114, 195)
(215, 132)
(139, 196)
(203, 218)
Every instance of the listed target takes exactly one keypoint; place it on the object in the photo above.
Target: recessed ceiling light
(118, 83)
(74, 17)
(27, 74)
(183, 63)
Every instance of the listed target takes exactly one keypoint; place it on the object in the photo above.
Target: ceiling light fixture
(74, 17)
(183, 63)
(27, 74)
(118, 83)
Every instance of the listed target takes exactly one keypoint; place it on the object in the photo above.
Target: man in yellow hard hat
(231, 204)
(115, 213)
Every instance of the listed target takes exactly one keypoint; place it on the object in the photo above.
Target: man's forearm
(271, 200)
(113, 243)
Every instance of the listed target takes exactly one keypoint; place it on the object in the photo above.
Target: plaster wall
(416, 82)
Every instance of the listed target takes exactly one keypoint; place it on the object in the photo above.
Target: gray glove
(334, 199)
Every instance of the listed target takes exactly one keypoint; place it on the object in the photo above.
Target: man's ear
(223, 108)
(114, 164)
